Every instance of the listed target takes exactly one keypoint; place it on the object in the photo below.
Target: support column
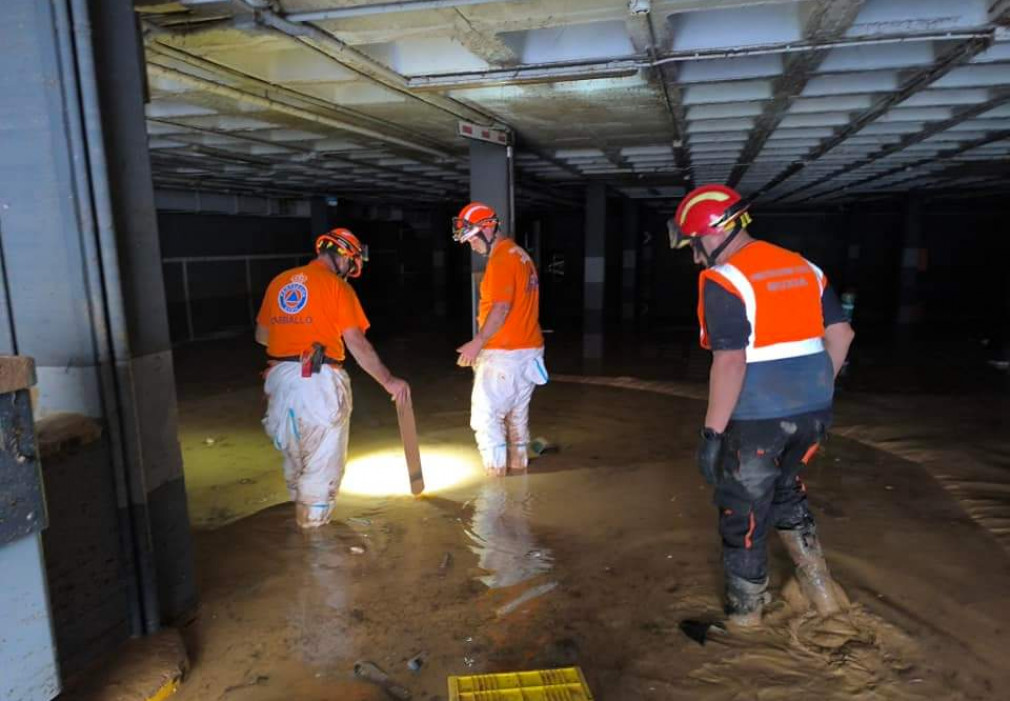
(913, 265)
(490, 183)
(629, 261)
(85, 298)
(121, 77)
(594, 275)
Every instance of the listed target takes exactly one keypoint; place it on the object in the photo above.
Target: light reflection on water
(500, 534)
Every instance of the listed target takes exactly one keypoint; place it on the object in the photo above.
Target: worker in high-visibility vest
(778, 338)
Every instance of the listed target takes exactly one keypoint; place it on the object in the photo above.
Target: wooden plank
(408, 434)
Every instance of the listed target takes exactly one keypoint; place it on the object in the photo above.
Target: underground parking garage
(165, 166)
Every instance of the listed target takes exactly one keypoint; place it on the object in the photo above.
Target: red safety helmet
(706, 211)
(472, 220)
(343, 243)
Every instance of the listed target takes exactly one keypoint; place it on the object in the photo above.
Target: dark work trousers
(760, 487)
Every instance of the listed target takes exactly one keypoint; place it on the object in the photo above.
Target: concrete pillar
(913, 264)
(490, 183)
(85, 298)
(594, 275)
(121, 82)
(535, 244)
(629, 260)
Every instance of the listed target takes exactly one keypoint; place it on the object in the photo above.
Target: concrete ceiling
(790, 101)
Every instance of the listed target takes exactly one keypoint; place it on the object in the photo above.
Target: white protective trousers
(503, 385)
(308, 419)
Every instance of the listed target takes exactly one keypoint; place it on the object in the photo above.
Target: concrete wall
(397, 288)
(860, 248)
(83, 548)
(83, 295)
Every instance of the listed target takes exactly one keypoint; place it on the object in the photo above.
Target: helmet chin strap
(336, 265)
(488, 241)
(711, 258)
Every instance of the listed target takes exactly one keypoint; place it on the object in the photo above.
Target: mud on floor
(592, 559)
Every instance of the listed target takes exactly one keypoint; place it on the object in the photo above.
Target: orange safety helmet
(342, 242)
(472, 220)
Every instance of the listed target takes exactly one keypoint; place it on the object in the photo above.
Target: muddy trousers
(759, 488)
(503, 385)
(308, 419)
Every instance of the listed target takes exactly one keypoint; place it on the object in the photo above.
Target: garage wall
(230, 260)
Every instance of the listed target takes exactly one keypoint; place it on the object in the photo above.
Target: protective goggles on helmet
(463, 230)
(734, 219)
(678, 239)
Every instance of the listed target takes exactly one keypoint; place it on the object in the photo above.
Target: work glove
(709, 451)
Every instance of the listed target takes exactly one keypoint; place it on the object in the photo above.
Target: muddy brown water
(592, 559)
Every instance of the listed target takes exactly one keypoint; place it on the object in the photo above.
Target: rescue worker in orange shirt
(307, 316)
(507, 354)
(778, 339)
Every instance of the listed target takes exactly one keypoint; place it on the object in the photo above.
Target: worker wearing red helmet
(507, 354)
(308, 315)
(778, 339)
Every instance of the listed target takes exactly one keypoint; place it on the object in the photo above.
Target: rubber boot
(811, 569)
(745, 600)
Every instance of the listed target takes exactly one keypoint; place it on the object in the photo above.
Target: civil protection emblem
(293, 296)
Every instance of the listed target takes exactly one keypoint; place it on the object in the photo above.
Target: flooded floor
(591, 559)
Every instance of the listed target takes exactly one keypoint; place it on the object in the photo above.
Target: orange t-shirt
(511, 277)
(309, 305)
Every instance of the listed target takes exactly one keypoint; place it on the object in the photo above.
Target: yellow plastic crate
(565, 684)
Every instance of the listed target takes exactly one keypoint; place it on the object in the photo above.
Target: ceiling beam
(170, 55)
(321, 159)
(655, 57)
(327, 169)
(992, 138)
(169, 166)
(481, 41)
(381, 8)
(228, 186)
(221, 89)
(1002, 97)
(364, 65)
(654, 38)
(958, 55)
(827, 21)
(312, 155)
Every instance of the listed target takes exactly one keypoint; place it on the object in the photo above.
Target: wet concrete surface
(593, 559)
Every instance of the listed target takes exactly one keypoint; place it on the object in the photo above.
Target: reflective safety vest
(781, 293)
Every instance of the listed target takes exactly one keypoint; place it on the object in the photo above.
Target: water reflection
(319, 610)
(500, 534)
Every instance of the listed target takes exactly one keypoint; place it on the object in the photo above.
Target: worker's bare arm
(837, 340)
(492, 325)
(725, 384)
(366, 356)
(262, 335)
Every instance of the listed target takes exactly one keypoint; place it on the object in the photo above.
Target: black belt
(297, 359)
